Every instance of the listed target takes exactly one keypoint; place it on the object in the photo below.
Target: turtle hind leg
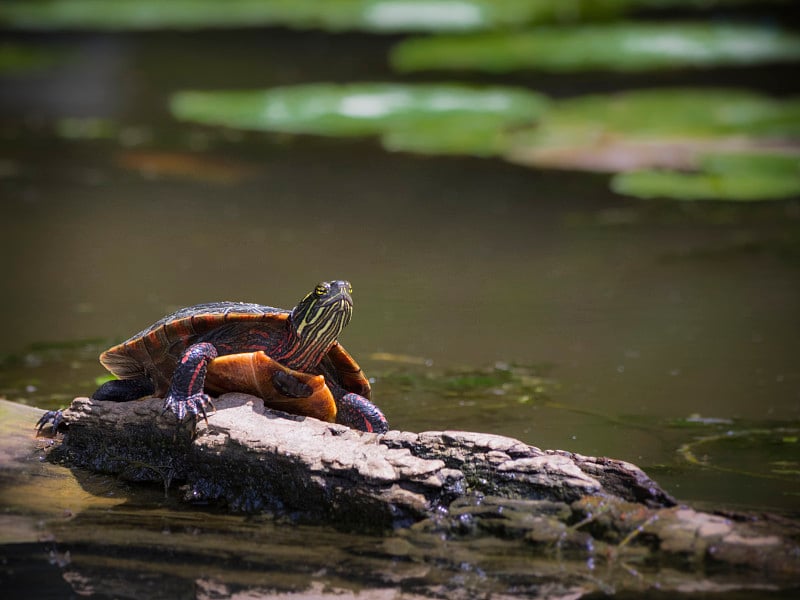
(290, 386)
(123, 390)
(359, 413)
(116, 390)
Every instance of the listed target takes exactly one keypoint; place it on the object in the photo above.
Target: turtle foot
(53, 418)
(290, 386)
(194, 404)
(186, 390)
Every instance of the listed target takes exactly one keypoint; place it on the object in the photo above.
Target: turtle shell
(232, 327)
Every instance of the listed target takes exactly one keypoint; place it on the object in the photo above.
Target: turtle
(171, 358)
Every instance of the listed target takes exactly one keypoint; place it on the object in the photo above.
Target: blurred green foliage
(674, 111)
(433, 118)
(332, 15)
(660, 143)
(744, 177)
(742, 145)
(614, 47)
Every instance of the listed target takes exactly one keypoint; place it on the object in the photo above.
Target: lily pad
(436, 117)
(644, 129)
(332, 15)
(743, 177)
(677, 111)
(614, 47)
(483, 136)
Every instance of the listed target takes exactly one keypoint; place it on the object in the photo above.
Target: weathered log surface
(254, 459)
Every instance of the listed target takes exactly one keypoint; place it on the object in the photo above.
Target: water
(637, 315)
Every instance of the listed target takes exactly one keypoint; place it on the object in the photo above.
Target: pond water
(637, 329)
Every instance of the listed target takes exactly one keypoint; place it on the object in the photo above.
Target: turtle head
(317, 321)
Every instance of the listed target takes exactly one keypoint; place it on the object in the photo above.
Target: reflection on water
(642, 313)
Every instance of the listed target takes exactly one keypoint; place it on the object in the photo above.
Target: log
(456, 483)
(256, 459)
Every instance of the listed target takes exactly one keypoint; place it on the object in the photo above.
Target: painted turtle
(171, 358)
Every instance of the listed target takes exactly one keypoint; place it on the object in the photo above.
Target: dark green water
(637, 314)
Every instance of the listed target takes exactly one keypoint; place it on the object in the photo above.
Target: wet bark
(443, 482)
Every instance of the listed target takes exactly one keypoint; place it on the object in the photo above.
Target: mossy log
(253, 459)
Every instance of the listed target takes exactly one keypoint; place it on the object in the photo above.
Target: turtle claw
(194, 404)
(53, 418)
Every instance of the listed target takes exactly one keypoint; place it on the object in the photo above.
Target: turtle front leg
(186, 390)
(357, 412)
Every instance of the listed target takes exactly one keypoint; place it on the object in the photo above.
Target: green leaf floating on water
(685, 144)
(483, 136)
(614, 46)
(670, 128)
(333, 15)
(431, 118)
(679, 129)
(679, 111)
(742, 177)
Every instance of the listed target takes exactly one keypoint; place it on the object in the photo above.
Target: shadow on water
(643, 313)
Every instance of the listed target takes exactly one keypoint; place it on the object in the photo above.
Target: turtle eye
(320, 290)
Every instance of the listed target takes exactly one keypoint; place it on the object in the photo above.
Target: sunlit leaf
(481, 136)
(671, 128)
(432, 118)
(614, 47)
(334, 15)
(724, 177)
(675, 111)
(763, 163)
